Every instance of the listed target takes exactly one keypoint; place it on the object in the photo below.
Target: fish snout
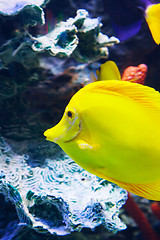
(49, 136)
(55, 133)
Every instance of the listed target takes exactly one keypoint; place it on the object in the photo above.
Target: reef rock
(59, 197)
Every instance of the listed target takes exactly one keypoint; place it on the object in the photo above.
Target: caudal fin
(153, 20)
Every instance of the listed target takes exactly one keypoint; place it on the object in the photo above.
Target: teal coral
(15, 6)
(78, 37)
(61, 197)
(28, 12)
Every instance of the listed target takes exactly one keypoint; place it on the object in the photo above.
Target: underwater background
(48, 51)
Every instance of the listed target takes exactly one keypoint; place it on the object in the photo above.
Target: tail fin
(153, 20)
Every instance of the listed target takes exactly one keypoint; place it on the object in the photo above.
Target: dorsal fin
(108, 71)
(143, 94)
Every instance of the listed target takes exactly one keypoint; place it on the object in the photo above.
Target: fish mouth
(47, 136)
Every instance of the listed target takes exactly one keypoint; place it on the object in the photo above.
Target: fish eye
(70, 114)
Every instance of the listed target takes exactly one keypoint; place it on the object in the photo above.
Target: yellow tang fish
(112, 129)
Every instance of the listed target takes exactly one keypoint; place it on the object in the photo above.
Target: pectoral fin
(87, 146)
(83, 144)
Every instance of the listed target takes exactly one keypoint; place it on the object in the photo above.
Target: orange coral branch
(135, 74)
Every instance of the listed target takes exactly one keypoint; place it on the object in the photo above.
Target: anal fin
(150, 191)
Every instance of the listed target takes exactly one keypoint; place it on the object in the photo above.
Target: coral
(59, 197)
(79, 37)
(28, 12)
(14, 6)
(135, 74)
(61, 42)
(18, 50)
(93, 44)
